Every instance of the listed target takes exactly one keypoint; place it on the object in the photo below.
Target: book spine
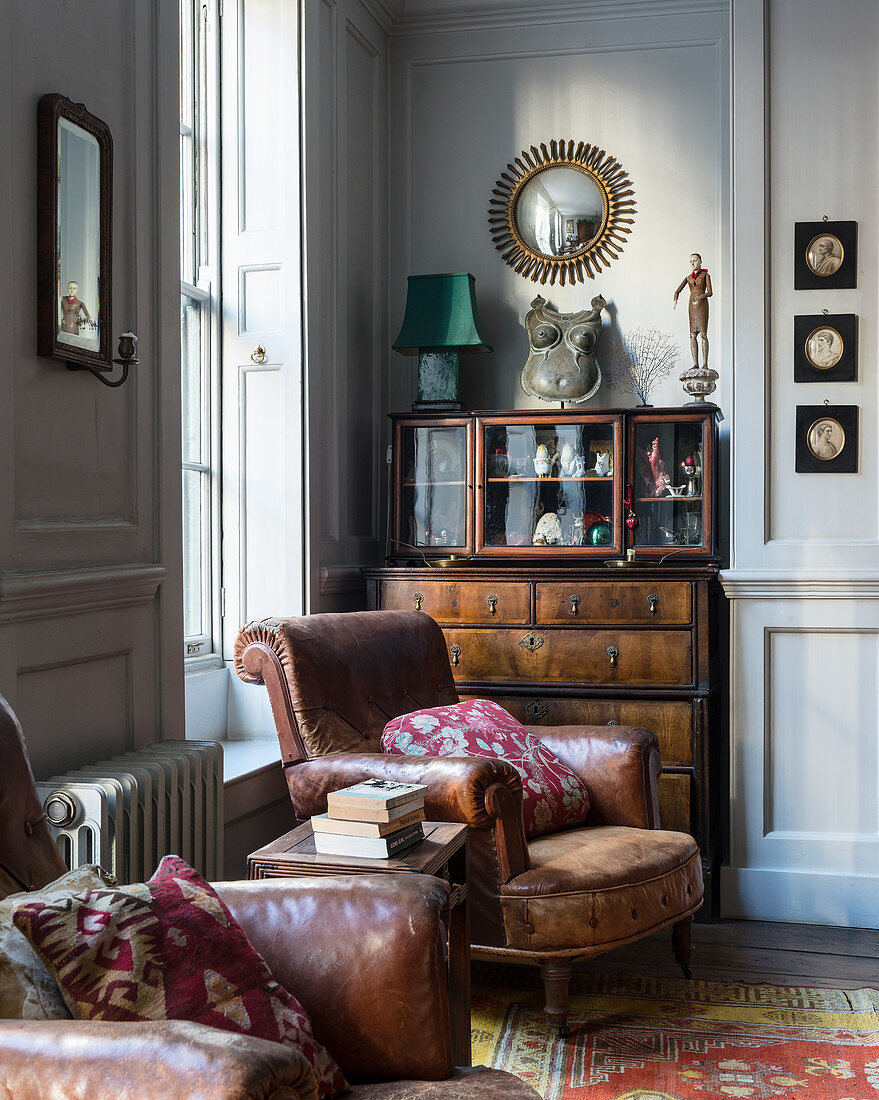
(366, 802)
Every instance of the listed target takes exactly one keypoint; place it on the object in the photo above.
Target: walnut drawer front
(674, 803)
(460, 602)
(647, 657)
(616, 602)
(671, 720)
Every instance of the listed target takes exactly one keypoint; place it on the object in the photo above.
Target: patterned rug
(637, 1038)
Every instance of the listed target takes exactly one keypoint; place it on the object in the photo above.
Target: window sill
(242, 759)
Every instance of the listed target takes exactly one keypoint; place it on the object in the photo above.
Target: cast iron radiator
(127, 812)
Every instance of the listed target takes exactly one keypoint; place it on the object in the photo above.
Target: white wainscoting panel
(804, 844)
(821, 688)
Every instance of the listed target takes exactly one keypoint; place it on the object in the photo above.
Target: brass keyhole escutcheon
(455, 653)
(613, 653)
(531, 641)
(575, 603)
(652, 602)
(492, 604)
(537, 710)
(417, 600)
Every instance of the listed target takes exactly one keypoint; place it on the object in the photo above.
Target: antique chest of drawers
(560, 645)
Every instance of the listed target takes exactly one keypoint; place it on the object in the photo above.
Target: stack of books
(377, 818)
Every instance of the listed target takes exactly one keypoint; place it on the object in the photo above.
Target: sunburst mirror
(561, 212)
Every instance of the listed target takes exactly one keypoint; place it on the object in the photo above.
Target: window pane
(191, 379)
(193, 577)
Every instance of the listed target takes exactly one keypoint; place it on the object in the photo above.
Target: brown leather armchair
(378, 1000)
(334, 681)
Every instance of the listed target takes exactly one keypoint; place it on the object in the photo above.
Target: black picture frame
(841, 260)
(826, 347)
(814, 445)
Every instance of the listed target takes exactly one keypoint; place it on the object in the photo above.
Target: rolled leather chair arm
(456, 785)
(174, 1059)
(364, 956)
(620, 766)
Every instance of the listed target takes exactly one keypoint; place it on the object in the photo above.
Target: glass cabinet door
(668, 485)
(432, 505)
(547, 485)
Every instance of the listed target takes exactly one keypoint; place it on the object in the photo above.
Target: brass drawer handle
(613, 653)
(531, 641)
(492, 604)
(575, 603)
(537, 710)
(455, 653)
(417, 600)
(652, 601)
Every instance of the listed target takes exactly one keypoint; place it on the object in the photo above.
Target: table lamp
(440, 322)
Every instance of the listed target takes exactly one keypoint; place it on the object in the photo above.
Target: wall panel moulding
(426, 16)
(61, 592)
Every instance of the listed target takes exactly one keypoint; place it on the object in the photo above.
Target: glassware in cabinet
(548, 484)
(669, 482)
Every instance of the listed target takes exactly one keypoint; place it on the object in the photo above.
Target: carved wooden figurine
(699, 284)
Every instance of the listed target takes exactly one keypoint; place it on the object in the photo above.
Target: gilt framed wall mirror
(561, 212)
(75, 170)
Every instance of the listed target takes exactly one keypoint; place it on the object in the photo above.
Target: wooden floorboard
(757, 951)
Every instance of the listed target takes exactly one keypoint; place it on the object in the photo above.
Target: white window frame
(205, 648)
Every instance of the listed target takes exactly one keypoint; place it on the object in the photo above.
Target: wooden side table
(443, 853)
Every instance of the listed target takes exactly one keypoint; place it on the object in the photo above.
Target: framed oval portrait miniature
(827, 439)
(826, 347)
(825, 255)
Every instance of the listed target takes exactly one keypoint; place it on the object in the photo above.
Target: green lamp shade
(441, 313)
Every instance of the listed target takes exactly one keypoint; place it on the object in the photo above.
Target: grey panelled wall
(346, 187)
(90, 571)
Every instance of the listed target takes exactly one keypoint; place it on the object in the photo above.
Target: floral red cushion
(552, 796)
(168, 949)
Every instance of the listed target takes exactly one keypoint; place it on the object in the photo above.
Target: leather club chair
(363, 954)
(334, 681)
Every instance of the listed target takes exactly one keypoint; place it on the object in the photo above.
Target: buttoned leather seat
(334, 681)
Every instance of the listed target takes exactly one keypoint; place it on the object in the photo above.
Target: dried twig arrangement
(640, 361)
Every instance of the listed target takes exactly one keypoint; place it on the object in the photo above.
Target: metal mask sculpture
(561, 365)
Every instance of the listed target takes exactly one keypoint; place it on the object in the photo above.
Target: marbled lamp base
(438, 380)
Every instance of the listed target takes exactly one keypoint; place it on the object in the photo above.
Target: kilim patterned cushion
(27, 990)
(168, 949)
(553, 797)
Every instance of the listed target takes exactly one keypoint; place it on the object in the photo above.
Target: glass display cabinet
(431, 501)
(555, 485)
(670, 482)
(547, 484)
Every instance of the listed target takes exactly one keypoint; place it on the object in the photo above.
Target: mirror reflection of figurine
(826, 438)
(699, 284)
(74, 314)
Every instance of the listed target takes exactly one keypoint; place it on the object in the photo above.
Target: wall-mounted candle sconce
(126, 358)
